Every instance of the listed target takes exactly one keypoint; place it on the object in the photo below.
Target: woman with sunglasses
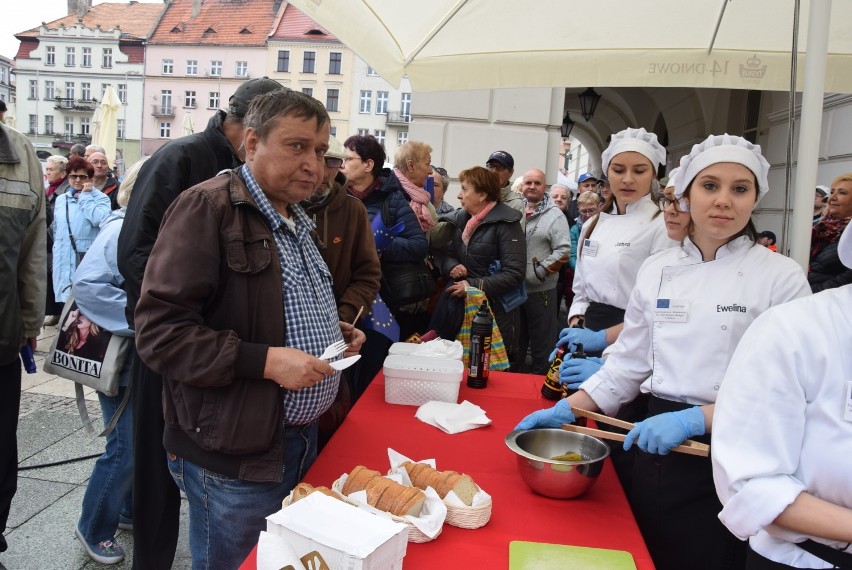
(77, 217)
(687, 312)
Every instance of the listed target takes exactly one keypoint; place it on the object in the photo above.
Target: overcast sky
(30, 14)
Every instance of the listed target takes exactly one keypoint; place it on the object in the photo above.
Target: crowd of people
(247, 249)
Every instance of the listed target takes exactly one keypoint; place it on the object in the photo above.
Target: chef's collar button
(724, 327)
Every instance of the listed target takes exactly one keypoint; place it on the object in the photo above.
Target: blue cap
(586, 176)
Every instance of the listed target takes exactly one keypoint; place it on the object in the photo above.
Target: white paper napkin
(452, 418)
(440, 348)
(274, 553)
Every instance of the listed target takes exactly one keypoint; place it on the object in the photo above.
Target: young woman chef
(687, 312)
(782, 433)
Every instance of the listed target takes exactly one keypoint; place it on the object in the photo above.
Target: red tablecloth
(601, 518)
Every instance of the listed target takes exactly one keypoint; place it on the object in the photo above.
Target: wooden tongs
(689, 446)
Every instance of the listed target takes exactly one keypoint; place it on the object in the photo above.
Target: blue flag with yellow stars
(381, 320)
(383, 234)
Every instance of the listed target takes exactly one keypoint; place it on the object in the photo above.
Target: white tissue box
(348, 538)
(415, 380)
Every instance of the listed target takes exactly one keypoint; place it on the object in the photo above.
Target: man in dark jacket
(233, 314)
(178, 165)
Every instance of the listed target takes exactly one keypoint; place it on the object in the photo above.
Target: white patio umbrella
(96, 123)
(188, 127)
(107, 130)
(481, 44)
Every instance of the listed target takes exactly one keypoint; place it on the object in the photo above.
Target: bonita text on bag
(82, 365)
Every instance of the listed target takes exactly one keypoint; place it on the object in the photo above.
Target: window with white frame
(216, 67)
(33, 88)
(189, 99)
(87, 57)
(33, 124)
(86, 91)
(192, 67)
(242, 69)
(48, 124)
(332, 131)
(69, 90)
(49, 90)
(69, 126)
(332, 100)
(381, 102)
(106, 60)
(366, 101)
(284, 60)
(309, 62)
(50, 55)
(165, 129)
(380, 136)
(213, 100)
(401, 138)
(166, 101)
(309, 91)
(122, 93)
(363, 132)
(168, 66)
(121, 127)
(371, 72)
(70, 56)
(405, 106)
(335, 63)
(85, 125)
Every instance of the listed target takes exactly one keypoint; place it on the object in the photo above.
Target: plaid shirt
(310, 313)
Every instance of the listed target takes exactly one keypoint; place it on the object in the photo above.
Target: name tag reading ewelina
(671, 311)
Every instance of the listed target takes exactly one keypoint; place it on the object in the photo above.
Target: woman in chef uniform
(687, 312)
(782, 433)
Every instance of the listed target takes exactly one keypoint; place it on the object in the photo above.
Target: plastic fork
(334, 350)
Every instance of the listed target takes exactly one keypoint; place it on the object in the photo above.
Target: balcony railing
(163, 110)
(398, 118)
(69, 104)
(70, 138)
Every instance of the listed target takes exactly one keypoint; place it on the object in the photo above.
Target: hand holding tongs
(689, 446)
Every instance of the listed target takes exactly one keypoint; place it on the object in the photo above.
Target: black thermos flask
(480, 348)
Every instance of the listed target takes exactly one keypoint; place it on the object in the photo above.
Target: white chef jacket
(681, 354)
(779, 426)
(606, 269)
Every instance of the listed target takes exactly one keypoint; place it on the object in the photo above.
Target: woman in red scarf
(825, 271)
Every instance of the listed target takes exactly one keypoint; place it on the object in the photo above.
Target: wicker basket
(414, 533)
(468, 517)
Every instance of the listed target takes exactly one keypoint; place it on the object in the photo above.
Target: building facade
(6, 88)
(379, 109)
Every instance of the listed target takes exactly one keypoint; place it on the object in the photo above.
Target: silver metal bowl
(557, 479)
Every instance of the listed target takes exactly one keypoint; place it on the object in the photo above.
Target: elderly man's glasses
(333, 162)
(78, 176)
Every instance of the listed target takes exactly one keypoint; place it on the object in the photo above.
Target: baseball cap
(768, 234)
(239, 102)
(823, 191)
(586, 176)
(501, 157)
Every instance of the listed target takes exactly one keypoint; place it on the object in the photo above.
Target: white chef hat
(635, 140)
(672, 174)
(722, 148)
(844, 247)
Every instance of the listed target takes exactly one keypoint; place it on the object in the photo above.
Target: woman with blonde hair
(825, 270)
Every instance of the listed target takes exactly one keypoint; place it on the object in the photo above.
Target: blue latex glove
(575, 371)
(660, 434)
(593, 341)
(550, 418)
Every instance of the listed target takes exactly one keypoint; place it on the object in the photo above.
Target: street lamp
(566, 126)
(589, 102)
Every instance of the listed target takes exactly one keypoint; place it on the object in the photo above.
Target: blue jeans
(226, 515)
(109, 492)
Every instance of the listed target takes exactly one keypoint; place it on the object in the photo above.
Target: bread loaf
(302, 490)
(443, 482)
(385, 494)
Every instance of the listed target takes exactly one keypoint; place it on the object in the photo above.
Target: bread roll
(302, 490)
(443, 482)
(385, 494)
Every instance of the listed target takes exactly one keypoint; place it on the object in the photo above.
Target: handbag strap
(84, 412)
(68, 222)
(838, 558)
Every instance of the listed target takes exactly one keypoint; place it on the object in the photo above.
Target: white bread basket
(468, 517)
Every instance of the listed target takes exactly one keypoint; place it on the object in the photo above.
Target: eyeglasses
(664, 202)
(333, 162)
(588, 211)
(78, 176)
(348, 158)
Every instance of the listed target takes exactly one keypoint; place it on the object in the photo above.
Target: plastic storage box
(415, 380)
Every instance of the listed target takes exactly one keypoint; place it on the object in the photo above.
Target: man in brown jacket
(236, 308)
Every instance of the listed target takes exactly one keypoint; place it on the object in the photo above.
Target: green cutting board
(541, 556)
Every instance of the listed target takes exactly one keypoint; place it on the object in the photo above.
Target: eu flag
(381, 320)
(383, 234)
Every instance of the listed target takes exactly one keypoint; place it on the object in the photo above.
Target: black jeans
(10, 407)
